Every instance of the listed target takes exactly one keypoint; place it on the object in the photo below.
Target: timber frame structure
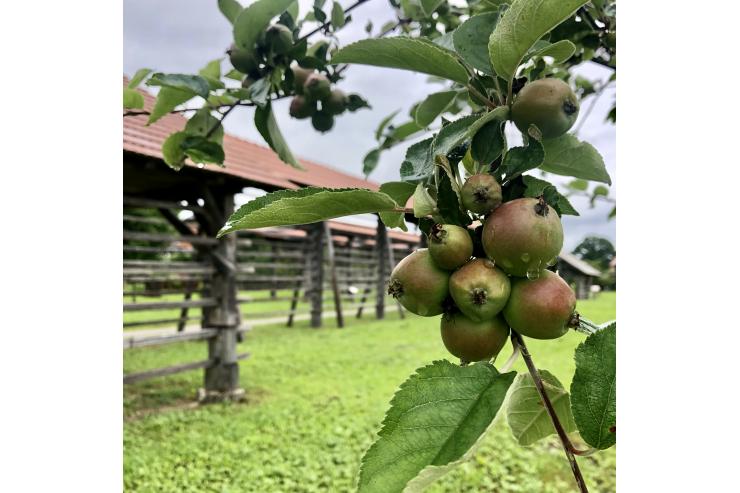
(176, 271)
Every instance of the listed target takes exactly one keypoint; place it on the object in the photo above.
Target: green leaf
(435, 418)
(560, 51)
(138, 77)
(527, 416)
(580, 185)
(534, 187)
(337, 16)
(403, 53)
(185, 82)
(230, 8)
(448, 203)
(613, 213)
(172, 151)
(293, 10)
(593, 390)
(202, 122)
(304, 206)
(212, 70)
(566, 155)
(520, 159)
(457, 132)
(429, 6)
(488, 143)
(254, 19)
(132, 98)
(384, 123)
(424, 204)
(265, 122)
(405, 130)
(471, 40)
(202, 150)
(167, 100)
(433, 106)
(400, 191)
(418, 163)
(520, 26)
(445, 41)
(370, 161)
(355, 102)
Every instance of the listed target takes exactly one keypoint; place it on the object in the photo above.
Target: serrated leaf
(172, 152)
(520, 26)
(424, 204)
(429, 6)
(521, 159)
(305, 206)
(560, 51)
(212, 70)
(293, 10)
(534, 187)
(418, 163)
(230, 9)
(400, 191)
(433, 106)
(138, 77)
(254, 19)
(405, 130)
(435, 417)
(167, 100)
(265, 122)
(593, 390)
(370, 161)
(132, 98)
(566, 155)
(202, 122)
(445, 41)
(527, 416)
(337, 16)
(202, 150)
(471, 40)
(448, 203)
(383, 124)
(463, 129)
(488, 143)
(184, 82)
(403, 53)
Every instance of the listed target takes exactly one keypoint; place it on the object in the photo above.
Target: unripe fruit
(473, 341)
(481, 194)
(300, 107)
(450, 246)
(548, 103)
(523, 237)
(419, 285)
(336, 103)
(541, 309)
(321, 121)
(300, 75)
(317, 86)
(242, 60)
(480, 290)
(279, 38)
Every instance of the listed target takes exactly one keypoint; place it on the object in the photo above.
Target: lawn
(315, 401)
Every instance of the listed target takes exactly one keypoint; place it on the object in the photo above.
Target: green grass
(315, 402)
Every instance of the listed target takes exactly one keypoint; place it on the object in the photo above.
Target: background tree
(596, 251)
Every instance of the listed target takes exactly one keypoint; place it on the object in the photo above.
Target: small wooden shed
(578, 273)
(171, 251)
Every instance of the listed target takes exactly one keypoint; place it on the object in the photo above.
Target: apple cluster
(490, 280)
(316, 99)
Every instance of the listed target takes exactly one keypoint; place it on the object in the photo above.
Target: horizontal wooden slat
(134, 342)
(160, 321)
(138, 235)
(165, 305)
(158, 249)
(143, 219)
(159, 204)
(171, 370)
(254, 278)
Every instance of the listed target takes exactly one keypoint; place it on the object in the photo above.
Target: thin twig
(217, 108)
(517, 340)
(487, 101)
(594, 100)
(328, 23)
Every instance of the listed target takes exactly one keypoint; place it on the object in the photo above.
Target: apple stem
(568, 447)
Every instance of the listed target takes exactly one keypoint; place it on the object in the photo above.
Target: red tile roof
(244, 159)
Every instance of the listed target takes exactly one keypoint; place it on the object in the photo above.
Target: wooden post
(383, 268)
(315, 271)
(294, 303)
(222, 378)
(333, 274)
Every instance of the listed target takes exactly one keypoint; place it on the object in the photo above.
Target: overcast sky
(183, 35)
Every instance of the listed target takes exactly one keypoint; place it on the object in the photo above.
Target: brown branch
(517, 341)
